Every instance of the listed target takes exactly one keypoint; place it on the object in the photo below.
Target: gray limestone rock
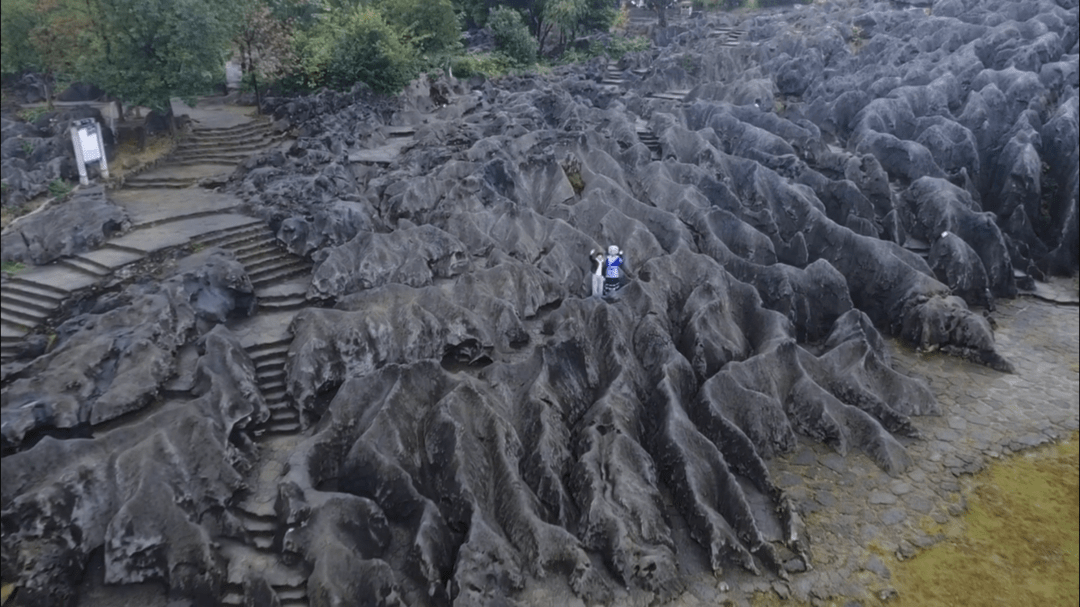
(114, 359)
(81, 223)
(151, 493)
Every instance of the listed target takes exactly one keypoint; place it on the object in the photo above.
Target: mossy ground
(1016, 545)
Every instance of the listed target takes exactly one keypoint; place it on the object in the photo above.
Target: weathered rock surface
(114, 359)
(32, 156)
(475, 420)
(83, 222)
(151, 493)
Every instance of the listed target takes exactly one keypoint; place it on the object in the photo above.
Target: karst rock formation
(473, 418)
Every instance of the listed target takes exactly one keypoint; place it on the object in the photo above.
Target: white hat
(613, 250)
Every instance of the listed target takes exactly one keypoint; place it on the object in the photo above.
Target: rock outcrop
(473, 419)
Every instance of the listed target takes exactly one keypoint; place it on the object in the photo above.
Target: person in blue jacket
(613, 267)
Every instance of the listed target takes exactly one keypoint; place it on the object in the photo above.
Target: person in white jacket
(596, 258)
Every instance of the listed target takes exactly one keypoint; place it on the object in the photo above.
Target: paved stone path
(169, 210)
(166, 212)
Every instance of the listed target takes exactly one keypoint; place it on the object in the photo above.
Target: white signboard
(88, 143)
(86, 138)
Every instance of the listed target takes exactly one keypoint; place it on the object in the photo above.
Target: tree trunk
(258, 94)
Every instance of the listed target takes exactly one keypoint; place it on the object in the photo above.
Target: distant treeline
(144, 52)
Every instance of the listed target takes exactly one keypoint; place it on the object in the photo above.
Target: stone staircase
(25, 304)
(269, 359)
(207, 146)
(651, 141)
(728, 36)
(259, 573)
(613, 76)
(229, 145)
(268, 264)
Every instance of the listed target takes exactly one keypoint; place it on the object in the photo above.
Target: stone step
(270, 380)
(249, 144)
(671, 95)
(109, 258)
(37, 288)
(276, 397)
(267, 277)
(246, 143)
(278, 428)
(284, 415)
(255, 247)
(155, 185)
(263, 259)
(22, 315)
(11, 329)
(232, 133)
(291, 593)
(291, 302)
(280, 260)
(211, 158)
(399, 131)
(237, 129)
(85, 266)
(274, 380)
(270, 355)
(27, 300)
(268, 347)
(232, 235)
(244, 242)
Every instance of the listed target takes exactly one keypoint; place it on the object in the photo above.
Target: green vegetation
(12, 267)
(31, 114)
(58, 188)
(512, 36)
(614, 48)
(146, 52)
(491, 65)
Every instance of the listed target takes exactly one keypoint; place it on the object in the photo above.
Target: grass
(1017, 543)
(12, 267)
(58, 188)
(615, 48)
(31, 114)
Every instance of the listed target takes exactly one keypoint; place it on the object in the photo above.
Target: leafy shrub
(58, 188)
(429, 25)
(614, 48)
(363, 48)
(512, 35)
(490, 65)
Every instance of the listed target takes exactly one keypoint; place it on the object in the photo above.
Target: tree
(429, 25)
(512, 35)
(362, 47)
(17, 52)
(265, 43)
(569, 17)
(660, 7)
(152, 50)
(574, 17)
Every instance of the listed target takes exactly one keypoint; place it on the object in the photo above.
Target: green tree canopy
(152, 50)
(429, 25)
(362, 47)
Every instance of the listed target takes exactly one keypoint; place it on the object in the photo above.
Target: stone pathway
(168, 210)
